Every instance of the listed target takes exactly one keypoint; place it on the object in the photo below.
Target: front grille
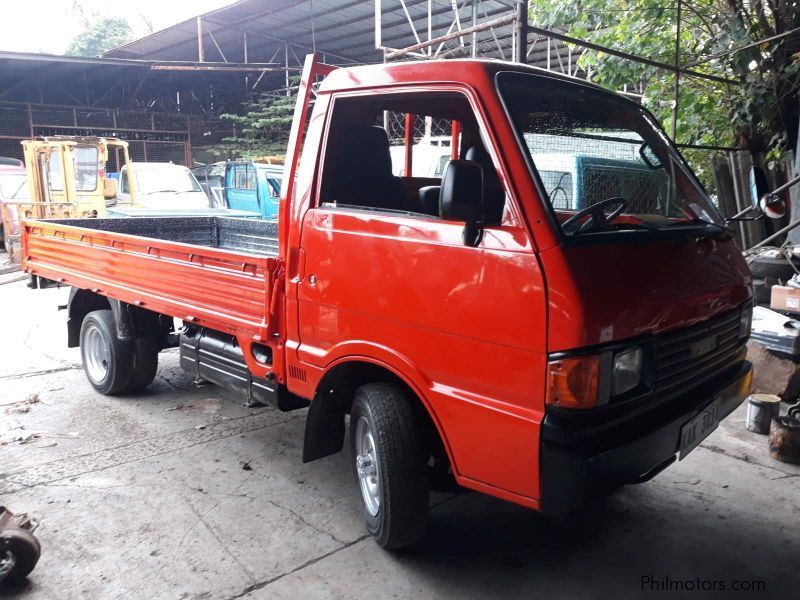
(685, 358)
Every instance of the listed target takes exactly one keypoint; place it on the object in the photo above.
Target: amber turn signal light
(572, 382)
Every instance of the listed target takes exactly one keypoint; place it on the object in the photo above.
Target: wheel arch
(130, 321)
(325, 423)
(81, 303)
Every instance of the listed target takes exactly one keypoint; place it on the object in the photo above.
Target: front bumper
(580, 460)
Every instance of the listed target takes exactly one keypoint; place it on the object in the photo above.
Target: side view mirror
(461, 198)
(772, 205)
(768, 204)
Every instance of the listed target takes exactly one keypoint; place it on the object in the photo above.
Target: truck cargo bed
(212, 271)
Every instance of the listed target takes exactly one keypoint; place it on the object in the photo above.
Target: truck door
(385, 277)
(240, 186)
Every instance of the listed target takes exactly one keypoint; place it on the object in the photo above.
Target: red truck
(562, 313)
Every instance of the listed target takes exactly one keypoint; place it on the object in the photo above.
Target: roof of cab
(435, 71)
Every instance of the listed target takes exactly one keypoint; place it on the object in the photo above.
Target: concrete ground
(184, 493)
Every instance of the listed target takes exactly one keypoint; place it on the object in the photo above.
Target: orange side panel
(224, 290)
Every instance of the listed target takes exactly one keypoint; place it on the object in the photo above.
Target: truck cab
(606, 329)
(254, 186)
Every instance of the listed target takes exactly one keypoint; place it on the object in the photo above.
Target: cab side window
(244, 177)
(368, 164)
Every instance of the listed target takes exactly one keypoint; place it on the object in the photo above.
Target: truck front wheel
(388, 454)
(107, 360)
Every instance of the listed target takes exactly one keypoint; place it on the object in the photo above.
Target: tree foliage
(759, 112)
(263, 129)
(101, 35)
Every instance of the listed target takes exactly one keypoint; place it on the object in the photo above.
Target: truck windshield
(603, 163)
(155, 180)
(86, 168)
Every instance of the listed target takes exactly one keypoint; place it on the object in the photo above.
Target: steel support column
(200, 53)
(474, 48)
(521, 30)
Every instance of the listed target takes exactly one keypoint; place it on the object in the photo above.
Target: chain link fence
(424, 127)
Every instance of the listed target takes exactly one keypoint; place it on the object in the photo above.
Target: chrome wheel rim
(96, 355)
(367, 467)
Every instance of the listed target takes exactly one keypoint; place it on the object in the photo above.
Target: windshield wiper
(700, 223)
(716, 228)
(615, 227)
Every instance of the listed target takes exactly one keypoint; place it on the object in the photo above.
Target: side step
(217, 357)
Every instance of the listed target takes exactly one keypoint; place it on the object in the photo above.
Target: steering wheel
(596, 211)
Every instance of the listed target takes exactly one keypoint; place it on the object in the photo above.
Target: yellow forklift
(67, 176)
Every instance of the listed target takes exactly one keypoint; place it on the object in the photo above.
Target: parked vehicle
(429, 157)
(572, 182)
(163, 186)
(167, 190)
(474, 333)
(254, 186)
(13, 191)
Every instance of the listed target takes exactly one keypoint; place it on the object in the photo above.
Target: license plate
(698, 429)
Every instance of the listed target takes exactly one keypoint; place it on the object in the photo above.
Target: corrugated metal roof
(342, 29)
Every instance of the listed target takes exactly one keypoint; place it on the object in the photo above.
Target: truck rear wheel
(107, 360)
(388, 454)
(145, 363)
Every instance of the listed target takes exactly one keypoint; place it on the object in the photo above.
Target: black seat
(494, 196)
(429, 199)
(361, 170)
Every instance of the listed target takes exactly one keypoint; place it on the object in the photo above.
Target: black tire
(110, 373)
(26, 550)
(402, 475)
(145, 363)
(763, 294)
(767, 267)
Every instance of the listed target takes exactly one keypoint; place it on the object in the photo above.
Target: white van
(163, 186)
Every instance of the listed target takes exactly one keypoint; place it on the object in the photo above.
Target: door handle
(297, 264)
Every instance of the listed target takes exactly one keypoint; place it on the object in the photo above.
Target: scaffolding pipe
(449, 36)
(521, 29)
(677, 72)
(409, 142)
(626, 55)
(474, 48)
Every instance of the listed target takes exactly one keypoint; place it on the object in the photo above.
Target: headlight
(627, 371)
(745, 321)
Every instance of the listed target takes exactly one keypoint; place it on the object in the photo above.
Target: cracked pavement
(146, 497)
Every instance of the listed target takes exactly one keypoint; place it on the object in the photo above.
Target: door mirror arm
(472, 234)
(771, 205)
